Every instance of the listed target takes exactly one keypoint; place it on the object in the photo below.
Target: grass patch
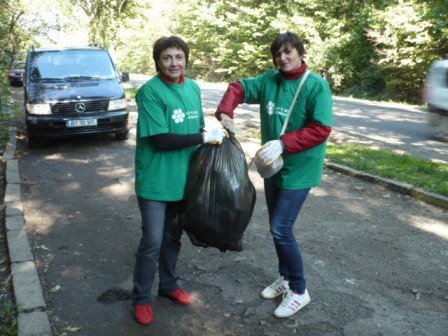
(8, 320)
(9, 112)
(430, 176)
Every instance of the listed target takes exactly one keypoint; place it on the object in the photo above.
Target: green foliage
(9, 111)
(231, 39)
(231, 45)
(372, 49)
(8, 319)
(131, 91)
(138, 33)
(376, 49)
(106, 18)
(436, 15)
(10, 33)
(405, 48)
(24, 23)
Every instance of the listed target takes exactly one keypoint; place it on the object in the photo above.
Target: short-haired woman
(302, 148)
(169, 129)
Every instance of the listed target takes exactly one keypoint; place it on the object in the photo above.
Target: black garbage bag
(220, 197)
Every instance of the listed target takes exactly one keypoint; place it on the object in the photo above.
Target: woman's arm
(170, 141)
(307, 137)
(231, 99)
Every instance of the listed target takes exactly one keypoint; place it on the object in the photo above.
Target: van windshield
(73, 65)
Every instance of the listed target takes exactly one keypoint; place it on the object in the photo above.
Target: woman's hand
(227, 123)
(215, 136)
(271, 150)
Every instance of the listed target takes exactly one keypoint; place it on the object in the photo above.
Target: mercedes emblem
(80, 107)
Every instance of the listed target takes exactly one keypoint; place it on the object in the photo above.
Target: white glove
(227, 123)
(271, 150)
(215, 136)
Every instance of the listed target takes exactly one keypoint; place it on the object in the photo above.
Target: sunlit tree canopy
(378, 49)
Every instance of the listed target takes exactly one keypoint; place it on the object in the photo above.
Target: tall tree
(106, 18)
(9, 26)
(378, 48)
(405, 46)
(21, 24)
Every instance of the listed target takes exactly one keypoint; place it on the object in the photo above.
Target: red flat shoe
(143, 314)
(179, 296)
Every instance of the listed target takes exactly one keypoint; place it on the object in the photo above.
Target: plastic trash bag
(220, 197)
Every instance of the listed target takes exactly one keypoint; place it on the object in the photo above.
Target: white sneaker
(292, 303)
(277, 288)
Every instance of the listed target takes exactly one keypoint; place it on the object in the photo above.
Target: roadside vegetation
(8, 310)
(130, 91)
(4, 107)
(9, 112)
(428, 175)
(8, 319)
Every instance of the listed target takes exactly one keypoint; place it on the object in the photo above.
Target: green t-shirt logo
(270, 107)
(165, 108)
(178, 116)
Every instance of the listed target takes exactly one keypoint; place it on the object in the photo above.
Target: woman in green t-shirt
(302, 148)
(169, 129)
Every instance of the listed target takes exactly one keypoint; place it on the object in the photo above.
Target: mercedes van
(73, 91)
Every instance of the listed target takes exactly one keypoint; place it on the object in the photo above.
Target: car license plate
(81, 123)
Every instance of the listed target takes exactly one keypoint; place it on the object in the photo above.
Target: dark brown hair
(169, 42)
(290, 38)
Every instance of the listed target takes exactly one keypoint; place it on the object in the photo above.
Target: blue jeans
(159, 244)
(284, 206)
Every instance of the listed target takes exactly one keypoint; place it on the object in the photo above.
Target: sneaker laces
(279, 282)
(290, 300)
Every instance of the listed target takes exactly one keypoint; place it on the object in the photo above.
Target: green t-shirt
(165, 108)
(315, 104)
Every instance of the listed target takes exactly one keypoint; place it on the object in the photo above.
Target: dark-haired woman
(302, 147)
(169, 129)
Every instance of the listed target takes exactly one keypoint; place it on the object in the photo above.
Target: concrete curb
(32, 319)
(403, 188)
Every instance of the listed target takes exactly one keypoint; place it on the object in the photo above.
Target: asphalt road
(376, 261)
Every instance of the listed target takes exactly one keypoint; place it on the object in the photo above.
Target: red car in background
(16, 73)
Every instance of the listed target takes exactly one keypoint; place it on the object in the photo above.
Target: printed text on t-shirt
(272, 109)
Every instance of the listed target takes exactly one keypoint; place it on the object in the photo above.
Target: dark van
(73, 91)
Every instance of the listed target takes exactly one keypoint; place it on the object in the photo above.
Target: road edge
(32, 317)
(403, 188)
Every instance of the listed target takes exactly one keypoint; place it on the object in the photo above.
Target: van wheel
(122, 136)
